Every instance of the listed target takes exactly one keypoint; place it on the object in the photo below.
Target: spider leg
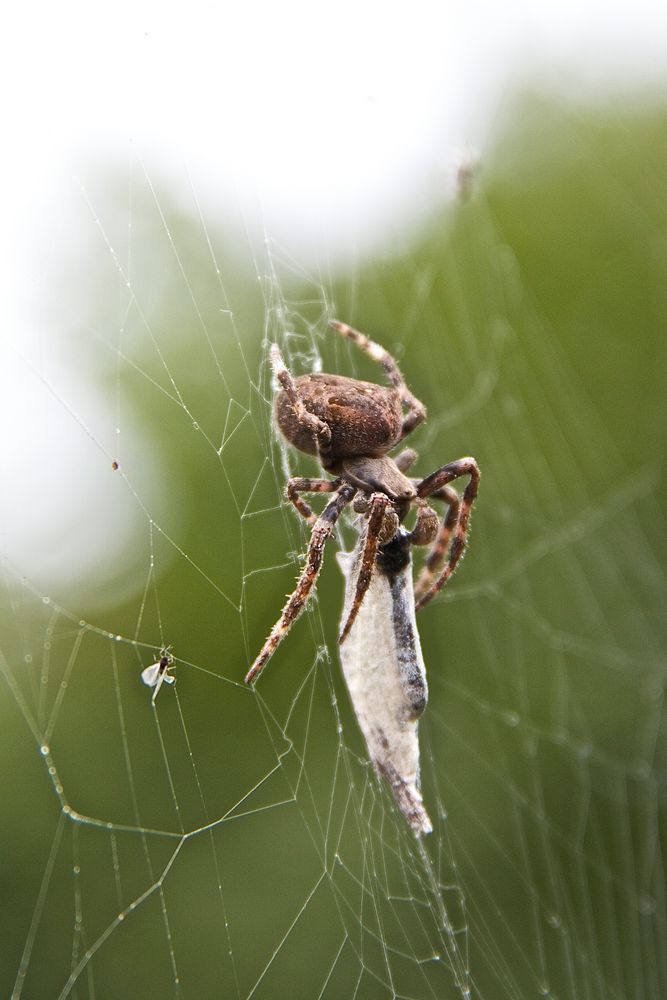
(378, 505)
(429, 487)
(296, 602)
(298, 485)
(416, 410)
(319, 429)
(441, 539)
(406, 459)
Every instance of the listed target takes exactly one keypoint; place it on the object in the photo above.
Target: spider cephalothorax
(351, 426)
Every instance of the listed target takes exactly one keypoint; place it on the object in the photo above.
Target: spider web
(230, 842)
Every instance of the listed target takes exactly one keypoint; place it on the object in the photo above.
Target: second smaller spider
(351, 426)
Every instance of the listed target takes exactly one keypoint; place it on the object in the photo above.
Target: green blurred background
(240, 835)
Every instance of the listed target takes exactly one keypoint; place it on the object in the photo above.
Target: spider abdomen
(364, 418)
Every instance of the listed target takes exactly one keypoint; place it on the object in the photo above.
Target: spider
(351, 426)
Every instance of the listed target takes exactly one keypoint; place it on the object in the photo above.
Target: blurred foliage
(530, 319)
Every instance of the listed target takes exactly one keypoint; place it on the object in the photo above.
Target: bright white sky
(321, 114)
(321, 122)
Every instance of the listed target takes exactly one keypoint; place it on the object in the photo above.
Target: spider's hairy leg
(299, 485)
(440, 538)
(416, 410)
(431, 486)
(376, 522)
(296, 602)
(318, 428)
(406, 459)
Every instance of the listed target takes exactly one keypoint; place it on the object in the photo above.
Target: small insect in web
(351, 426)
(158, 673)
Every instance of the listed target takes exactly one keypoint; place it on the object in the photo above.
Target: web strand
(208, 842)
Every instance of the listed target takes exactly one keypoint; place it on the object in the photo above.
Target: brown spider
(351, 425)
